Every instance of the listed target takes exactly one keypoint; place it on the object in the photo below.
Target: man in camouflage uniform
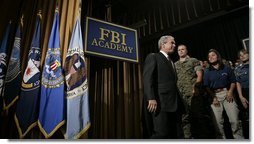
(189, 71)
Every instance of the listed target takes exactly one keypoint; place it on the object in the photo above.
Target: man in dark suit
(161, 96)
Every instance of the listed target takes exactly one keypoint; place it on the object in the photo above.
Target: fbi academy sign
(110, 40)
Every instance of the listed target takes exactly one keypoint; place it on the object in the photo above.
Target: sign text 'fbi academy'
(111, 40)
(117, 41)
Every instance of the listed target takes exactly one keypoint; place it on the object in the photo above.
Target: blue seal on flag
(2, 68)
(14, 64)
(52, 73)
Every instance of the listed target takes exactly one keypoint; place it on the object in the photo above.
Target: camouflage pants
(186, 119)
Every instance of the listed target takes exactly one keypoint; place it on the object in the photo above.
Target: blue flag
(78, 119)
(3, 59)
(27, 109)
(13, 74)
(52, 101)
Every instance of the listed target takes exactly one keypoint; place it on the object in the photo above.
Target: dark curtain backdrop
(224, 33)
(115, 91)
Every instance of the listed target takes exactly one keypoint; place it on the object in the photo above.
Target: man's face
(182, 51)
(169, 46)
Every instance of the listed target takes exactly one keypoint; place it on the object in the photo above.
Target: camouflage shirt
(186, 73)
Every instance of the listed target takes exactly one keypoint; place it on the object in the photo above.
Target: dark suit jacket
(160, 82)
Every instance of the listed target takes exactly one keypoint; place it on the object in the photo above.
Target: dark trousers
(244, 114)
(201, 118)
(165, 125)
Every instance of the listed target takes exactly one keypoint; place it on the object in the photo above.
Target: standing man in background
(189, 71)
(161, 97)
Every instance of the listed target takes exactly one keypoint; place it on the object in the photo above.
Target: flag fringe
(46, 135)
(22, 135)
(6, 107)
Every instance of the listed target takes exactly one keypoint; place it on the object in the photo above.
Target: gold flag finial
(57, 10)
(22, 20)
(57, 3)
(80, 6)
(39, 14)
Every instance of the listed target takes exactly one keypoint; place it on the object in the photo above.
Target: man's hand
(152, 105)
(244, 102)
(216, 103)
(229, 96)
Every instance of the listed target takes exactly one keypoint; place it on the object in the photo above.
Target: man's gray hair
(163, 40)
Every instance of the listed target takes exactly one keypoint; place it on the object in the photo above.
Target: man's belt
(219, 90)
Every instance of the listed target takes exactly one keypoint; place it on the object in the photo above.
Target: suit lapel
(168, 62)
(165, 60)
